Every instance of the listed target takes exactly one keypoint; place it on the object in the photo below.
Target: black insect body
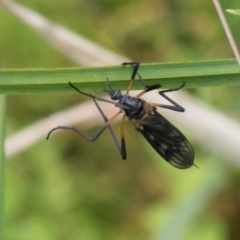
(166, 139)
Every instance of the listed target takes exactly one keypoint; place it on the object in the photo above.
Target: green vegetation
(67, 188)
(2, 161)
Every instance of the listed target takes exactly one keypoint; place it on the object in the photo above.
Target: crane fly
(166, 139)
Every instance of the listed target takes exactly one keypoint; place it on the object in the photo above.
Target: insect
(166, 139)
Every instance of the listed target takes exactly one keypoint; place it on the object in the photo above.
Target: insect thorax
(133, 107)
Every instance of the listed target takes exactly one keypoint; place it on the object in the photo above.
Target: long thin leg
(123, 148)
(99, 132)
(175, 107)
(134, 72)
(150, 88)
(135, 65)
(95, 136)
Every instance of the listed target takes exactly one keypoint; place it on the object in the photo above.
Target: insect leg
(134, 72)
(123, 148)
(135, 65)
(175, 107)
(98, 133)
(95, 136)
(149, 88)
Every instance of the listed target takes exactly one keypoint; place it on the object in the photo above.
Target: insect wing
(168, 141)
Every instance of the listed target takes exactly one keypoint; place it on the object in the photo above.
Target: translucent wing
(168, 141)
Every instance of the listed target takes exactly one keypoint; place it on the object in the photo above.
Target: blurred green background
(67, 188)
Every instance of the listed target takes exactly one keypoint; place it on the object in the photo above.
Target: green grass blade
(195, 74)
(2, 161)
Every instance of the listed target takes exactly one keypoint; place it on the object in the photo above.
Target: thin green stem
(2, 161)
